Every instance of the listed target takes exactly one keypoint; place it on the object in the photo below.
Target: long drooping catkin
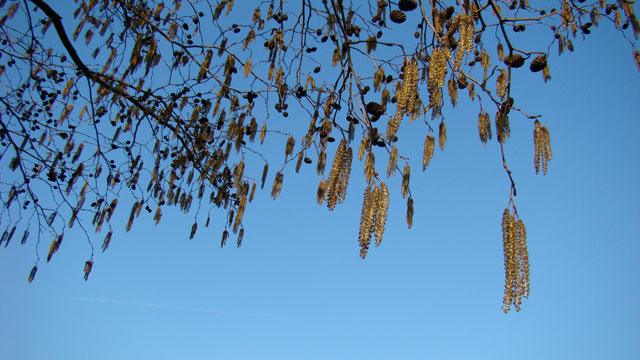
(465, 44)
(406, 95)
(437, 68)
(375, 206)
(516, 261)
(335, 189)
(542, 144)
(366, 222)
(381, 213)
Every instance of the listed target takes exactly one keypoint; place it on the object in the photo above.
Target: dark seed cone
(407, 5)
(398, 16)
(538, 63)
(375, 109)
(514, 60)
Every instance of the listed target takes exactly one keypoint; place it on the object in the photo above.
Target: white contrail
(155, 305)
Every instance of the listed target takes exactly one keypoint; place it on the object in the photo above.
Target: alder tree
(136, 106)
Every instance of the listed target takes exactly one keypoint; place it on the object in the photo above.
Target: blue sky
(298, 289)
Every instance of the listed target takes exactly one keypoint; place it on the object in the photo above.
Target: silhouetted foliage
(165, 103)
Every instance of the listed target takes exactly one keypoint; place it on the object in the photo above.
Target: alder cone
(538, 63)
(375, 109)
(514, 60)
(398, 16)
(407, 5)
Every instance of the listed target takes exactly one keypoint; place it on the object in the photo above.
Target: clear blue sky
(297, 288)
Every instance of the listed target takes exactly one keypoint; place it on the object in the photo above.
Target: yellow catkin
(410, 212)
(546, 73)
(288, 150)
(265, 171)
(472, 91)
(429, 146)
(394, 124)
(507, 240)
(336, 186)
(501, 84)
(335, 60)
(345, 172)
(409, 89)
(453, 91)
(372, 43)
(248, 66)
(523, 255)
(542, 144)
(107, 241)
(393, 162)
(442, 135)
(253, 192)
(158, 215)
(406, 174)
(263, 133)
(406, 95)
(503, 130)
(277, 185)
(465, 42)
(567, 14)
(322, 161)
(67, 88)
(205, 66)
(378, 78)
(381, 213)
(299, 162)
(364, 145)
(364, 237)
(385, 97)
(242, 205)
(435, 103)
(321, 190)
(194, 228)
(87, 269)
(516, 261)
(373, 208)
(240, 236)
(238, 173)
(484, 127)
(369, 167)
(486, 63)
(437, 70)
(225, 236)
